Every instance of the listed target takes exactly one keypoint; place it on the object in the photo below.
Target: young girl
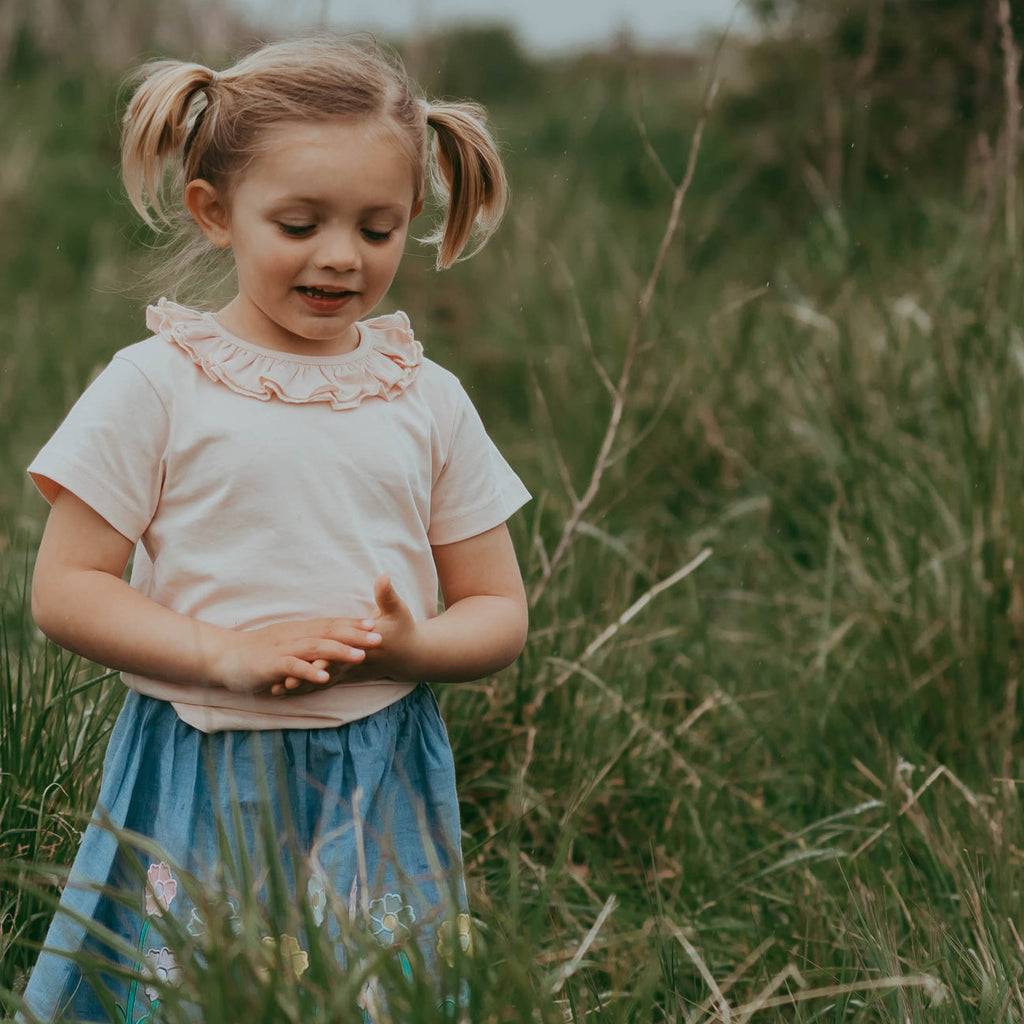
(295, 481)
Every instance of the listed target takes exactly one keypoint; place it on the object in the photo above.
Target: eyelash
(301, 230)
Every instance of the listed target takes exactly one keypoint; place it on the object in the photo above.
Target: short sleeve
(476, 488)
(109, 451)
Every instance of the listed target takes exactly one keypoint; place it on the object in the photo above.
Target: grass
(781, 787)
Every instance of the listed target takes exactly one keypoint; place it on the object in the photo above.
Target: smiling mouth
(324, 293)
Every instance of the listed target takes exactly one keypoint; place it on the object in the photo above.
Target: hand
(390, 657)
(396, 655)
(287, 654)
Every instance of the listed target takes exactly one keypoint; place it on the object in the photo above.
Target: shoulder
(393, 334)
(435, 377)
(151, 356)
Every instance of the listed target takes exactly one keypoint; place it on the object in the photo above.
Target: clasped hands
(309, 655)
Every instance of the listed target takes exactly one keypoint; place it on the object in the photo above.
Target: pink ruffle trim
(383, 366)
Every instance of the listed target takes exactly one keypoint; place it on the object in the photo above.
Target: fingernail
(374, 638)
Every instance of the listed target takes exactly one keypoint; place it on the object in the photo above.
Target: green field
(759, 760)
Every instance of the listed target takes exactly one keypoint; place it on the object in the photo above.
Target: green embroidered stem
(135, 982)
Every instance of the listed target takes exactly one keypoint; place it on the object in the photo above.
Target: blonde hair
(186, 121)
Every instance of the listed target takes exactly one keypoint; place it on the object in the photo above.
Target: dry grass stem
(724, 1010)
(603, 460)
(569, 969)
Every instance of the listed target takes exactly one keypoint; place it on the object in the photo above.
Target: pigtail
(161, 121)
(467, 169)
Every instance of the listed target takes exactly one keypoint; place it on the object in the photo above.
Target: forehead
(321, 158)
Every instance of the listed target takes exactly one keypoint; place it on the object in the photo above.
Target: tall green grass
(779, 786)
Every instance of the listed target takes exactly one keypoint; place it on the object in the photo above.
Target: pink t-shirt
(264, 487)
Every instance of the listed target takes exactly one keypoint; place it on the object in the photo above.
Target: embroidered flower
(447, 936)
(197, 928)
(370, 1001)
(316, 893)
(293, 956)
(390, 918)
(161, 888)
(163, 968)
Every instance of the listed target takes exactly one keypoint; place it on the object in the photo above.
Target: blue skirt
(362, 817)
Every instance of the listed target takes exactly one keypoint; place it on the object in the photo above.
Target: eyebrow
(316, 203)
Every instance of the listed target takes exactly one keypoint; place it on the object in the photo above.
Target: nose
(338, 250)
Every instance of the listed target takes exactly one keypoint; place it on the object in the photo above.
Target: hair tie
(214, 79)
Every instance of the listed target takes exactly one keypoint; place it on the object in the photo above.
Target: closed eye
(376, 236)
(296, 230)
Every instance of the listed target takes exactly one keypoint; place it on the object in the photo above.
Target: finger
(300, 688)
(337, 627)
(300, 670)
(334, 650)
(359, 636)
(384, 594)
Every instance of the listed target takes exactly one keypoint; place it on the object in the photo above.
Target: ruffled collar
(385, 362)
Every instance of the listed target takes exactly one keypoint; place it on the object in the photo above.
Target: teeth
(320, 293)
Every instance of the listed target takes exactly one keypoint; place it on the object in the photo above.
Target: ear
(209, 210)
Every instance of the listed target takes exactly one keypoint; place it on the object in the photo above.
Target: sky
(543, 26)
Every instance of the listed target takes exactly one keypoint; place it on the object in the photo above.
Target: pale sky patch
(542, 26)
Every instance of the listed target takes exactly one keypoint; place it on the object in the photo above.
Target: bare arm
(81, 602)
(484, 624)
(482, 629)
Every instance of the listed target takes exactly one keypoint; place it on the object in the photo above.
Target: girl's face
(317, 225)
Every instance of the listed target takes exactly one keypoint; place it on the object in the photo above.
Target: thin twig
(664, 405)
(634, 609)
(645, 599)
(604, 456)
(1011, 59)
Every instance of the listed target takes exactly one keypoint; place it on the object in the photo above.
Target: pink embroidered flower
(161, 890)
(162, 968)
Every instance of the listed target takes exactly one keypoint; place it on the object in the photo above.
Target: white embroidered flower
(390, 918)
(197, 927)
(162, 967)
(316, 892)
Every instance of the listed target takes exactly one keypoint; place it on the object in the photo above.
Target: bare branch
(604, 455)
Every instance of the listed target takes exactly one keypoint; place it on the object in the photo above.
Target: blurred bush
(877, 95)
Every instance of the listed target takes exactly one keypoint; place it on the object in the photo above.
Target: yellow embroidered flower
(447, 936)
(161, 888)
(293, 956)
